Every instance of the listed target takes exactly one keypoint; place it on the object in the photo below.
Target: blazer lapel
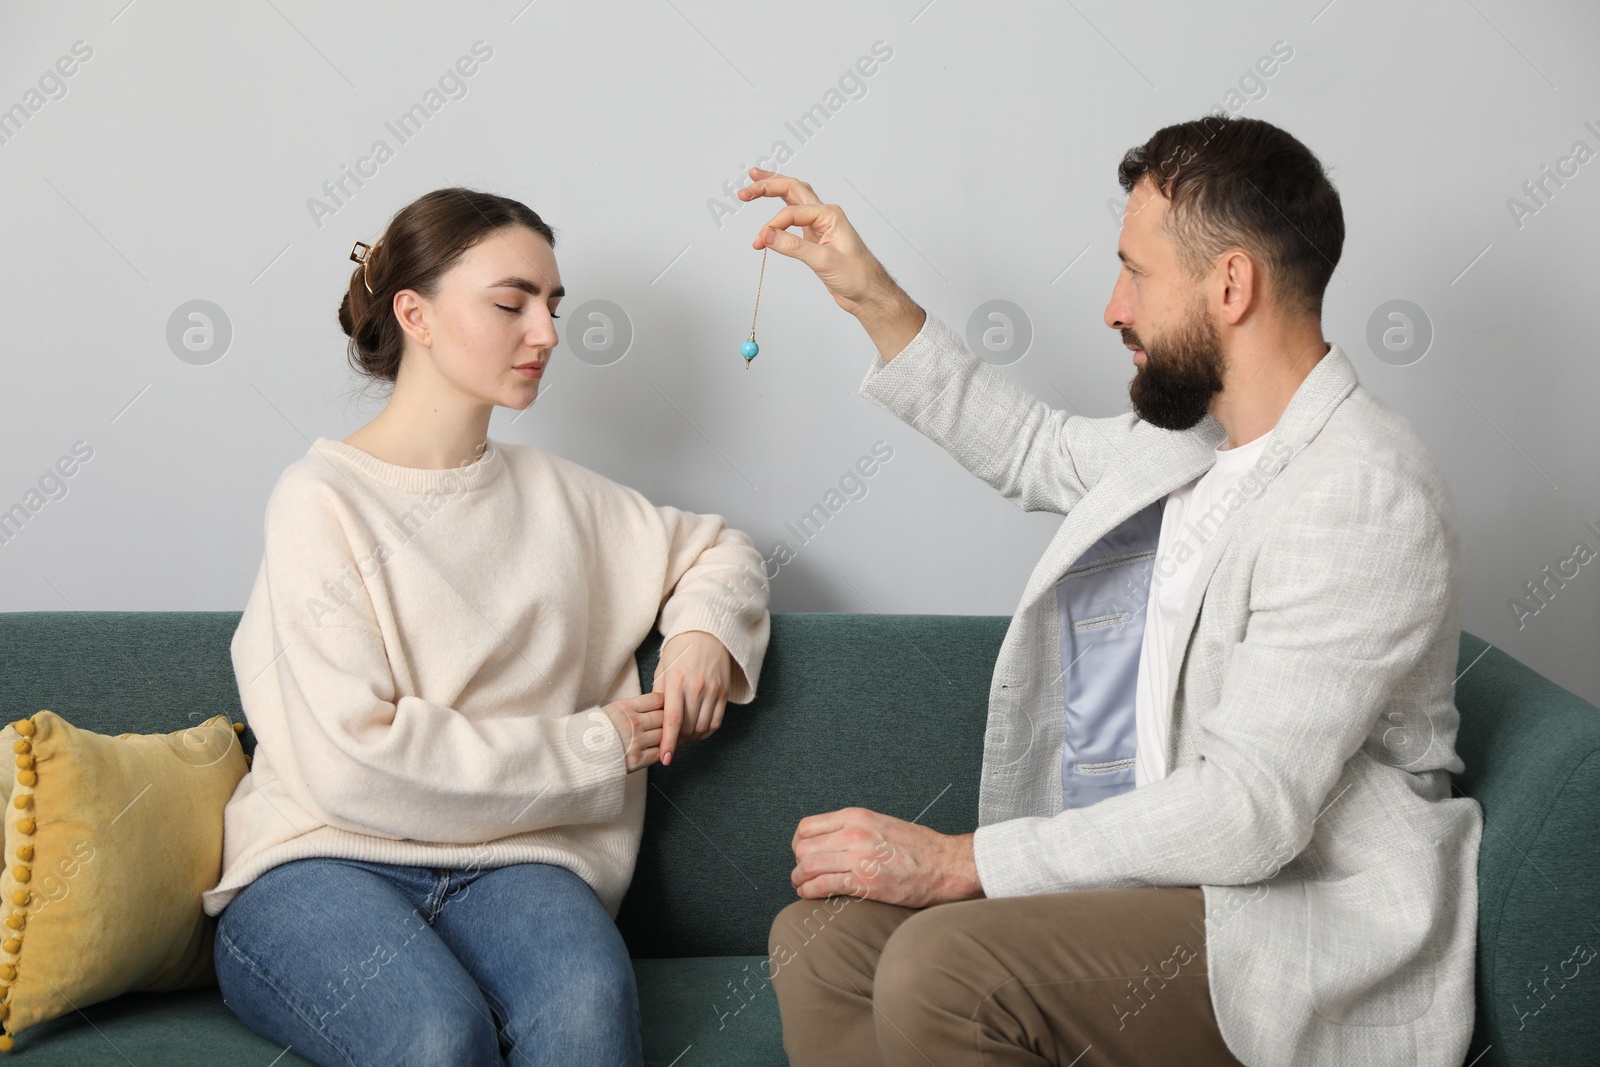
(1167, 460)
(1022, 765)
(1329, 382)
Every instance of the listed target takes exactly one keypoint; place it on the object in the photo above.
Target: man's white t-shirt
(1189, 520)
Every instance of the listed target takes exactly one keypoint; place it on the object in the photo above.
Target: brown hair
(423, 241)
(1244, 183)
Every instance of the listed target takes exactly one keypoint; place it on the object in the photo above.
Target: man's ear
(1240, 285)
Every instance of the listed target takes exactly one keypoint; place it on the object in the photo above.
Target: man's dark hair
(1244, 183)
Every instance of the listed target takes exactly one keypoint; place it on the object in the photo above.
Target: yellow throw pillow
(109, 842)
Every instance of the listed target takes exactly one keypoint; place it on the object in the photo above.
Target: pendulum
(750, 348)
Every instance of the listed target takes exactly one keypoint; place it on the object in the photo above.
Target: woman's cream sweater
(424, 656)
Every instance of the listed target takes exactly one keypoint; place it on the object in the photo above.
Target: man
(1215, 814)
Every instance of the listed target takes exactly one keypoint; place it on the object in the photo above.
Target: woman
(426, 859)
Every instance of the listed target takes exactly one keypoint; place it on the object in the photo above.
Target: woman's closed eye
(518, 311)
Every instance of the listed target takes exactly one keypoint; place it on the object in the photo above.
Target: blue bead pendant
(749, 350)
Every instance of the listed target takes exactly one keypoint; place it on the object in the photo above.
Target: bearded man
(1215, 818)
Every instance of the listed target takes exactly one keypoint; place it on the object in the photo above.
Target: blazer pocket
(1383, 922)
(1107, 562)
(1105, 767)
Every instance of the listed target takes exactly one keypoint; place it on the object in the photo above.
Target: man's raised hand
(833, 250)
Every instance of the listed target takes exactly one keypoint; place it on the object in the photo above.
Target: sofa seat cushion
(718, 1009)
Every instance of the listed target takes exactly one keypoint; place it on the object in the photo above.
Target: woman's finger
(671, 718)
(702, 719)
(690, 727)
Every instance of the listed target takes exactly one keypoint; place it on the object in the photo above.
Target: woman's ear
(412, 312)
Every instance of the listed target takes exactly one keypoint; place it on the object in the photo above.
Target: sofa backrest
(877, 711)
(1532, 751)
(115, 672)
(888, 712)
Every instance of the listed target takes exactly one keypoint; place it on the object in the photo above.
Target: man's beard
(1182, 371)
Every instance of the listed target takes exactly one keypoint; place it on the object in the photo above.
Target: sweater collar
(419, 480)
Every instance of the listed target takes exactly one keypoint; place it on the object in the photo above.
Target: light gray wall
(181, 161)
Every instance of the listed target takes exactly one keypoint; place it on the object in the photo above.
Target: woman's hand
(855, 278)
(638, 723)
(692, 674)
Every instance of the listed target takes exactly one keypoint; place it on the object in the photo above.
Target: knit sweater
(425, 653)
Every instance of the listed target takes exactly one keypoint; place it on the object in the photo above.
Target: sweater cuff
(595, 761)
(736, 635)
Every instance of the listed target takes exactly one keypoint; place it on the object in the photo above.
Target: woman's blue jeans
(350, 962)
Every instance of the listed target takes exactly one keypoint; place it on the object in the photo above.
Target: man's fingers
(787, 244)
(771, 183)
(831, 885)
(825, 861)
(816, 825)
(825, 822)
(809, 215)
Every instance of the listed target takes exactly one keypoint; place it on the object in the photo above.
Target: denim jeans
(351, 962)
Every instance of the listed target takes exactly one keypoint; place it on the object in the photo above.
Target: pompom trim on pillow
(22, 872)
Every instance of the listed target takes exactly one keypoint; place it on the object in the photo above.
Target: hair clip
(364, 258)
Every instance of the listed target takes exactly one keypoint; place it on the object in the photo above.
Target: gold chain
(759, 279)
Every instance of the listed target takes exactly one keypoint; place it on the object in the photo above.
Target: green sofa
(883, 711)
